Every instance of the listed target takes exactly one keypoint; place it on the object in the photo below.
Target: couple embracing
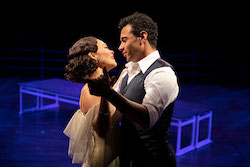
(124, 122)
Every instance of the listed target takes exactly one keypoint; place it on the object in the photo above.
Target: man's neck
(149, 51)
(146, 53)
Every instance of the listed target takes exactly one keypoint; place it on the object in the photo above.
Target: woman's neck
(97, 73)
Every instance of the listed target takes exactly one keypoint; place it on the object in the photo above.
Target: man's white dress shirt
(160, 85)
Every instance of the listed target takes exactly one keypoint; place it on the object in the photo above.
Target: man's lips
(124, 54)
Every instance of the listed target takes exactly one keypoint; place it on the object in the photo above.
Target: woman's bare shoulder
(87, 101)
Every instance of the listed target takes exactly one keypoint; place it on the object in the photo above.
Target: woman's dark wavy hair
(80, 64)
(141, 22)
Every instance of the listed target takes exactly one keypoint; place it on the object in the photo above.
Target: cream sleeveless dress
(86, 147)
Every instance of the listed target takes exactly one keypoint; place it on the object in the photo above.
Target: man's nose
(121, 47)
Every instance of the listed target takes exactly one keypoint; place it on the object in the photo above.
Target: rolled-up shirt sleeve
(161, 88)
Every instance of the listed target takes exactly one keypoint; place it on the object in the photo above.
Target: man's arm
(133, 111)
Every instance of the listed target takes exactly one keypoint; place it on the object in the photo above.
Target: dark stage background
(206, 43)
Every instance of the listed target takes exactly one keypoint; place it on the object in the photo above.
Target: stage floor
(36, 139)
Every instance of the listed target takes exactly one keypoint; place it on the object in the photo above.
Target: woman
(94, 128)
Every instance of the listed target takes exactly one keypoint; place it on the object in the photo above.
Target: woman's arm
(101, 122)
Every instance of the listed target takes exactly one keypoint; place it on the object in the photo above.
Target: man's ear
(92, 55)
(144, 36)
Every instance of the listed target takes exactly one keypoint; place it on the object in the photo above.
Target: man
(147, 95)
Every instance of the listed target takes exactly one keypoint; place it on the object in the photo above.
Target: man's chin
(128, 59)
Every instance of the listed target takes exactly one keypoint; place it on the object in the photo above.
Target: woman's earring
(96, 61)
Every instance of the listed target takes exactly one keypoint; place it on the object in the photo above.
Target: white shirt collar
(146, 62)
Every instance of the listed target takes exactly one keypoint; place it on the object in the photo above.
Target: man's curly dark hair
(80, 63)
(141, 22)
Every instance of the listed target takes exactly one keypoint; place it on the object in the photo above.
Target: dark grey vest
(136, 142)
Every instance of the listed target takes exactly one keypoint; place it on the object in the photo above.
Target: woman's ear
(92, 55)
